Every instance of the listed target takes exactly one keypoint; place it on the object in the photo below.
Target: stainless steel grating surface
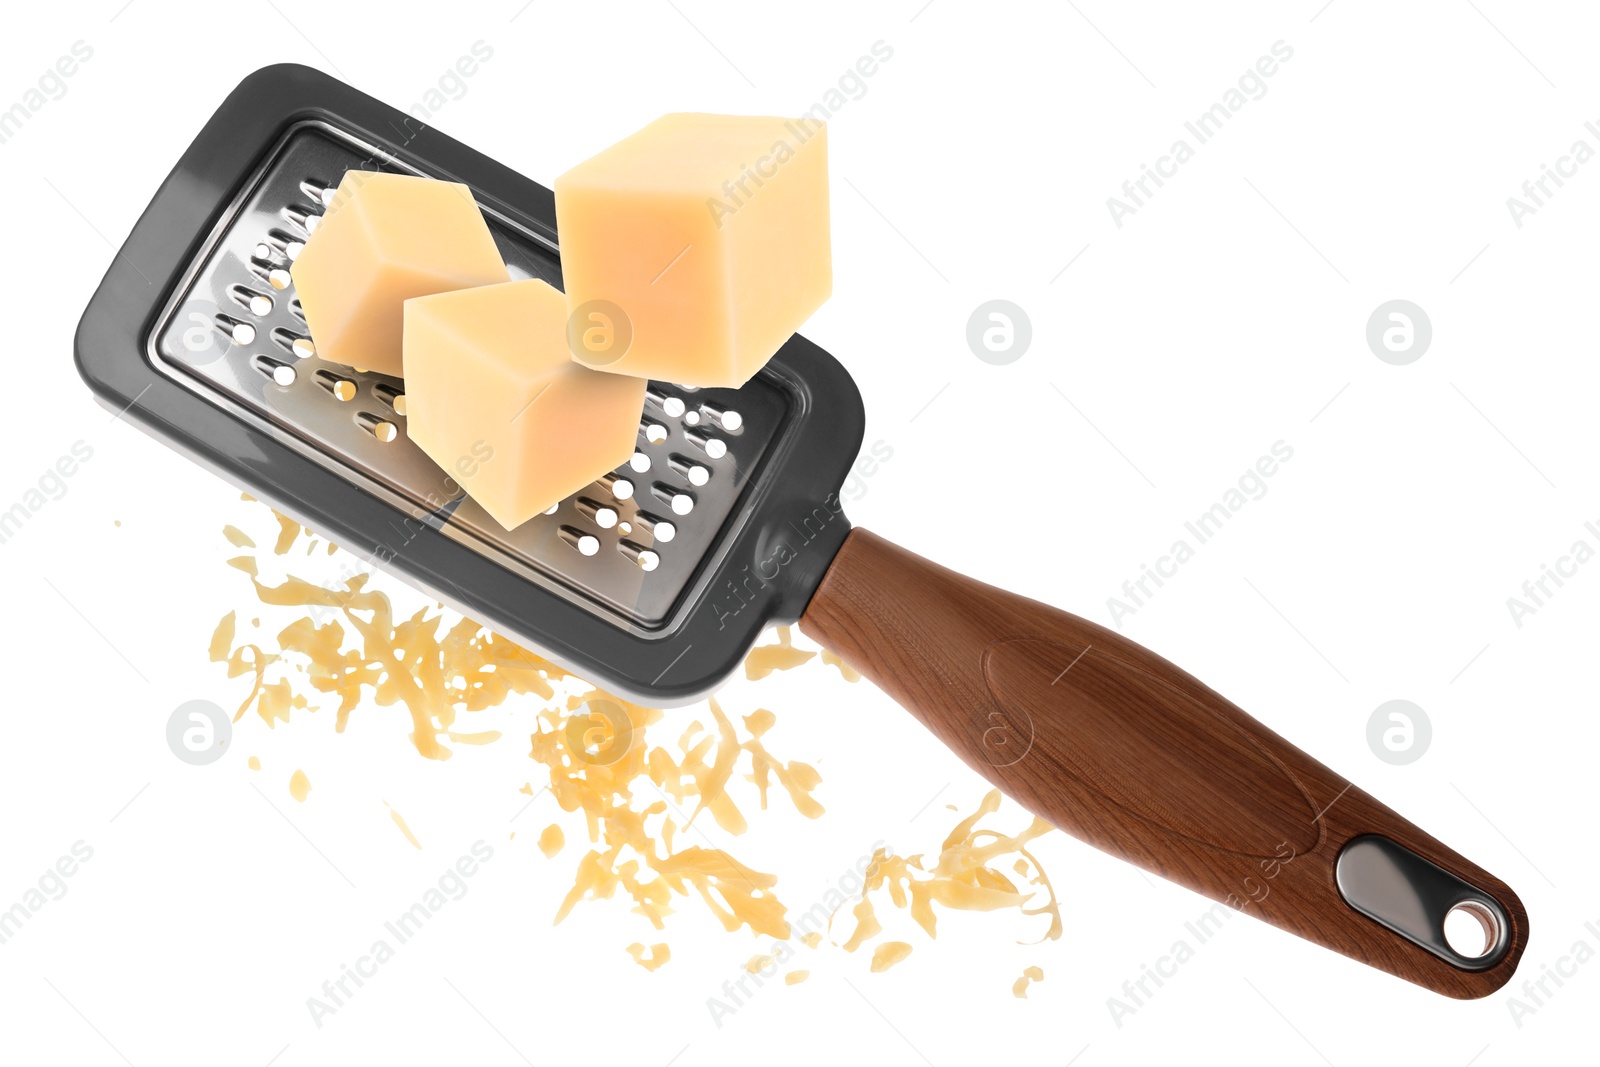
(628, 546)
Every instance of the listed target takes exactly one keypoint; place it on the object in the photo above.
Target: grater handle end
(1115, 745)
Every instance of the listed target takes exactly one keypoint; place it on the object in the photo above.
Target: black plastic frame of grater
(766, 562)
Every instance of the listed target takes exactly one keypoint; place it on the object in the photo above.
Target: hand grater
(656, 580)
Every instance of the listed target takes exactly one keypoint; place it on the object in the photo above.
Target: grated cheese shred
(639, 798)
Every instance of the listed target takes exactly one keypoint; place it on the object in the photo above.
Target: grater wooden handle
(1126, 751)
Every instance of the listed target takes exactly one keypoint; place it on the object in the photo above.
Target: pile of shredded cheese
(964, 876)
(637, 798)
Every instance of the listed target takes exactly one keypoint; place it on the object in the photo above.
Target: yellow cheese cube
(384, 239)
(340, 195)
(493, 397)
(693, 249)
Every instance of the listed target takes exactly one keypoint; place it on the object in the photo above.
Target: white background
(1226, 315)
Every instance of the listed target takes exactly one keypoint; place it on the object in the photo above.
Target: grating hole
(382, 429)
(694, 473)
(261, 305)
(341, 388)
(586, 543)
(727, 418)
(302, 216)
(296, 344)
(681, 501)
(658, 528)
(716, 448)
(391, 396)
(600, 514)
(242, 332)
(640, 462)
(283, 375)
(277, 217)
(1471, 929)
(646, 559)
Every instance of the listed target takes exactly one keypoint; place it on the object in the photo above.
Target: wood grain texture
(1120, 748)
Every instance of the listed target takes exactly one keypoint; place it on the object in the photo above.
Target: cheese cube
(693, 249)
(340, 195)
(494, 397)
(384, 239)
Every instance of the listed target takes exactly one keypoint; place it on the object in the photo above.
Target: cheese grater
(654, 581)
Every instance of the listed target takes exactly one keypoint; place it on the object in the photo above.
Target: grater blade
(629, 544)
(195, 336)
